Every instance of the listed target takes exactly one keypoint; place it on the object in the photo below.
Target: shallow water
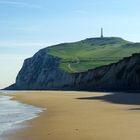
(13, 113)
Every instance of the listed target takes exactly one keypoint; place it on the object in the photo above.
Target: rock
(42, 72)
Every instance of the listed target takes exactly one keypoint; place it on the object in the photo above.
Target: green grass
(83, 66)
(92, 53)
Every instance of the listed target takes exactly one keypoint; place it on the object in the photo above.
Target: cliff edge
(42, 72)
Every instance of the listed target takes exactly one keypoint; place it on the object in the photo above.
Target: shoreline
(77, 116)
(14, 114)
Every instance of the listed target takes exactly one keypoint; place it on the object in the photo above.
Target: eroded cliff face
(124, 75)
(42, 72)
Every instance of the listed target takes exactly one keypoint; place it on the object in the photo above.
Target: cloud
(19, 4)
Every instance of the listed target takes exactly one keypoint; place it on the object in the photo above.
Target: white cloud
(19, 4)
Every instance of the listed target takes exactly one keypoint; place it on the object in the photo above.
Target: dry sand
(95, 116)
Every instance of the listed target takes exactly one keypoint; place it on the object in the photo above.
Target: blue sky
(28, 25)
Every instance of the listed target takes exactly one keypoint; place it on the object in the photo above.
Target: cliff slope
(92, 53)
(42, 72)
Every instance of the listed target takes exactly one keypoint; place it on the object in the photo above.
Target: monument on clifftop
(102, 36)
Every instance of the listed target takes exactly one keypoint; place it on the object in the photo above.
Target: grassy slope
(92, 52)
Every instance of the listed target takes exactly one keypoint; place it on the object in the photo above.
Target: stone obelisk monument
(102, 36)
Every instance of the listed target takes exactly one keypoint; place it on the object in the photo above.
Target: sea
(12, 112)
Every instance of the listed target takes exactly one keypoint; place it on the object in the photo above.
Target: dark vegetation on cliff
(91, 64)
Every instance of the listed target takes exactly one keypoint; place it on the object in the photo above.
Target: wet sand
(80, 116)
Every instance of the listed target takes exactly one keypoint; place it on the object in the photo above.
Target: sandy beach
(80, 116)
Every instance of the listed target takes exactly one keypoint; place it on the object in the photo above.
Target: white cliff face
(42, 72)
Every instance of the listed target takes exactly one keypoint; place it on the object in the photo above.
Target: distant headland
(104, 63)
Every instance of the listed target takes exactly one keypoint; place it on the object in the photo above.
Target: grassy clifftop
(92, 53)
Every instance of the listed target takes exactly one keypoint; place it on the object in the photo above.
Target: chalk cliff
(42, 72)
